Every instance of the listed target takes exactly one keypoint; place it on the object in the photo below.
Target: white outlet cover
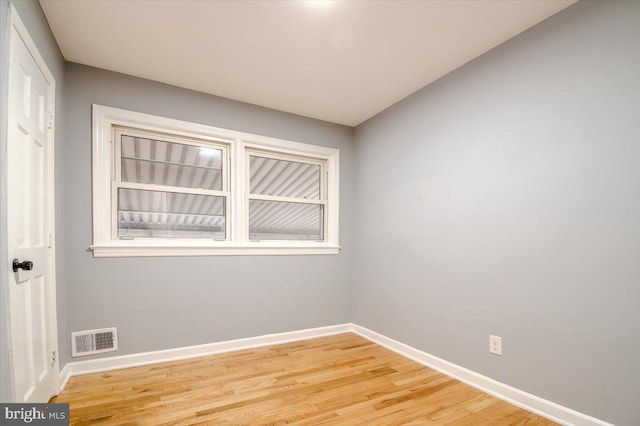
(495, 345)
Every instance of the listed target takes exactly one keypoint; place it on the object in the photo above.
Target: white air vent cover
(89, 342)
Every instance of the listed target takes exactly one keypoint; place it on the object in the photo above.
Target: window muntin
(286, 197)
(169, 187)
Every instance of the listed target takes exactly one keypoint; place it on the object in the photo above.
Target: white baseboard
(527, 401)
(64, 377)
(77, 368)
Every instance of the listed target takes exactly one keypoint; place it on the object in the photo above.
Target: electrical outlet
(495, 345)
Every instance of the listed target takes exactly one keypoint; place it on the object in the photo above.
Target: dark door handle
(25, 265)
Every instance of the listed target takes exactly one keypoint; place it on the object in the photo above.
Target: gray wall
(36, 23)
(160, 303)
(509, 191)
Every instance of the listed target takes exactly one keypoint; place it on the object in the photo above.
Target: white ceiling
(339, 61)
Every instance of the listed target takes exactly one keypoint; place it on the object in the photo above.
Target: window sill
(142, 250)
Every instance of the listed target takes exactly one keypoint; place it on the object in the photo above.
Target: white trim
(64, 377)
(76, 368)
(280, 199)
(174, 189)
(517, 397)
(14, 21)
(222, 250)
(105, 119)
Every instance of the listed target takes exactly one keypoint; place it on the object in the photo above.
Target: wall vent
(89, 342)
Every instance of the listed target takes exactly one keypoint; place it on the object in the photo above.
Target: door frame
(14, 22)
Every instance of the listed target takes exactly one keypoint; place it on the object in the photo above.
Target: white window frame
(117, 183)
(280, 155)
(237, 148)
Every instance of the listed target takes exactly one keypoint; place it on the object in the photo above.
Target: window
(286, 197)
(164, 187)
(167, 187)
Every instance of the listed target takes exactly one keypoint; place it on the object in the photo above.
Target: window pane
(173, 164)
(284, 178)
(156, 214)
(274, 220)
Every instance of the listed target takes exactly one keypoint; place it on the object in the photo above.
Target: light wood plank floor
(340, 380)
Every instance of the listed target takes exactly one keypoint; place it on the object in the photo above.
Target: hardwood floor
(339, 380)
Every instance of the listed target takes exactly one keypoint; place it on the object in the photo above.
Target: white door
(30, 221)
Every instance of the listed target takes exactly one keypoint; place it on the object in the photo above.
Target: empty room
(320, 212)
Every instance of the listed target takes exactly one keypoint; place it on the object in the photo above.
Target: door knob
(25, 265)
